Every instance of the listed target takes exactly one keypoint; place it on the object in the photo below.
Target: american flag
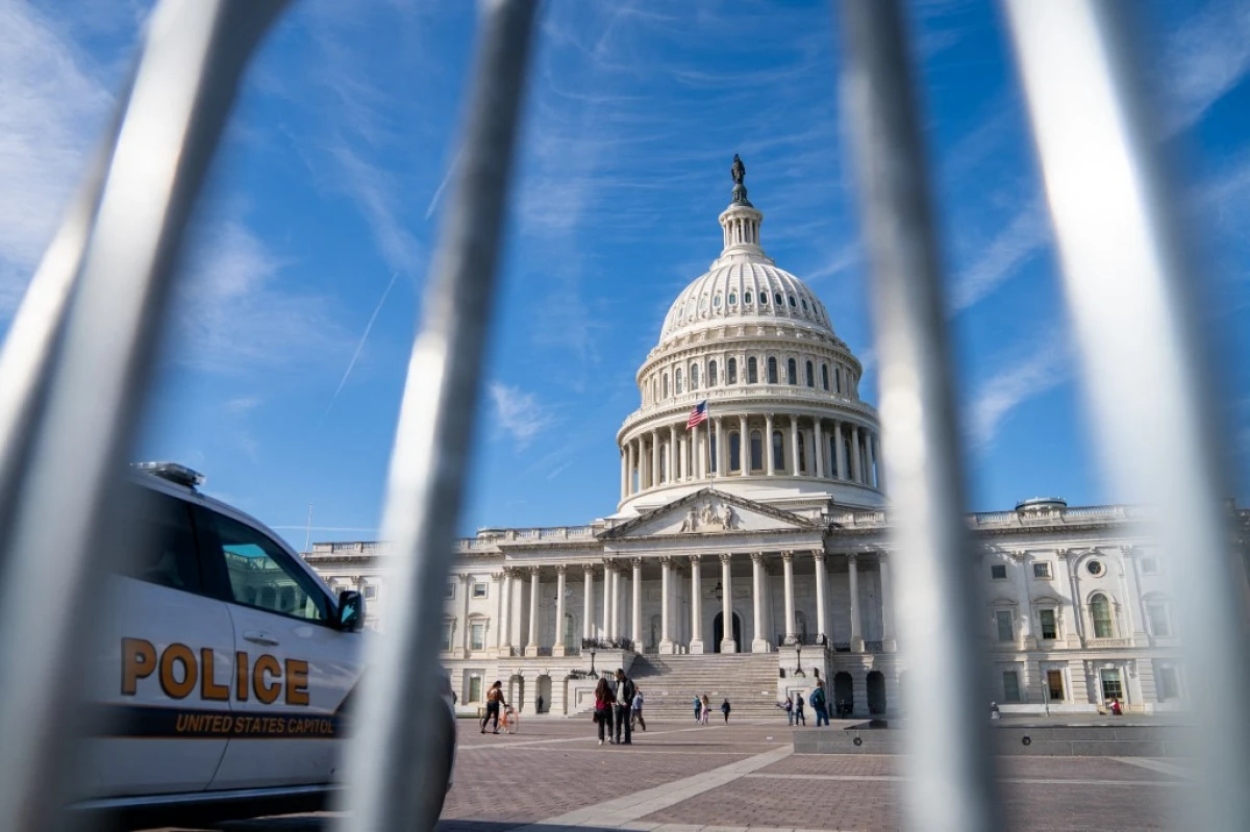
(698, 414)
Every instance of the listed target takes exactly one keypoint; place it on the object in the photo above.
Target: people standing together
(794, 706)
(618, 705)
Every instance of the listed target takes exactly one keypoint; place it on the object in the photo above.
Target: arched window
(753, 375)
(757, 451)
(714, 456)
(792, 372)
(772, 370)
(824, 376)
(735, 452)
(666, 385)
(802, 464)
(777, 298)
(779, 451)
(711, 373)
(837, 377)
(1100, 611)
(811, 375)
(746, 297)
(677, 381)
(694, 376)
(731, 371)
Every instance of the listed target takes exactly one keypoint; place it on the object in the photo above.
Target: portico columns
(696, 604)
(666, 642)
(633, 467)
(794, 446)
(888, 644)
(818, 448)
(607, 597)
(727, 645)
(610, 577)
(505, 615)
(655, 458)
(856, 472)
(872, 460)
(588, 602)
(857, 625)
(818, 557)
(787, 560)
(721, 455)
(759, 640)
(557, 649)
(636, 634)
(769, 463)
(624, 468)
(531, 644)
(672, 454)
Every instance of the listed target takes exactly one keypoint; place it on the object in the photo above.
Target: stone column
(558, 648)
(633, 465)
(505, 615)
(682, 471)
(818, 559)
(636, 613)
(794, 445)
(655, 458)
(880, 462)
(696, 604)
(722, 454)
(531, 644)
(1027, 642)
(610, 577)
(787, 566)
(1136, 602)
(624, 465)
(744, 447)
(839, 451)
(857, 624)
(769, 466)
(607, 597)
(728, 645)
(759, 640)
(856, 472)
(672, 453)
(666, 582)
(588, 601)
(818, 449)
(872, 460)
(889, 644)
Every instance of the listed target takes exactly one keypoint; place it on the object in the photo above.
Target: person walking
(603, 709)
(494, 699)
(635, 715)
(798, 709)
(789, 708)
(624, 702)
(698, 707)
(724, 709)
(705, 710)
(820, 705)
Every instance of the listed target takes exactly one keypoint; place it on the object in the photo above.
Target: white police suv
(225, 670)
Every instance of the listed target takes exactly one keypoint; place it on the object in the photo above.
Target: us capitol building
(761, 531)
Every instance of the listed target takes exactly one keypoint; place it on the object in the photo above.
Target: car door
(293, 667)
(160, 667)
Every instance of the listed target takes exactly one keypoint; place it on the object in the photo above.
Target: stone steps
(670, 683)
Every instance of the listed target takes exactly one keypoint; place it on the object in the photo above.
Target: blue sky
(287, 350)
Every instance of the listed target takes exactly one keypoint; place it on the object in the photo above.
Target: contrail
(442, 186)
(359, 347)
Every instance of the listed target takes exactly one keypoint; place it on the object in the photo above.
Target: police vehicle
(224, 672)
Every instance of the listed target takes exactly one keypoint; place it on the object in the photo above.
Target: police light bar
(171, 471)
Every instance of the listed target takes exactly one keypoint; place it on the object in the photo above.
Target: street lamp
(592, 660)
(719, 592)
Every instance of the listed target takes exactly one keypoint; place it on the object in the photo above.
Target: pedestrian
(705, 709)
(494, 699)
(820, 704)
(789, 706)
(538, 705)
(698, 707)
(1116, 710)
(636, 713)
(798, 709)
(603, 709)
(624, 702)
(724, 709)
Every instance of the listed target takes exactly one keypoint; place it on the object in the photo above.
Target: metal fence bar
(393, 741)
(74, 436)
(949, 784)
(1127, 276)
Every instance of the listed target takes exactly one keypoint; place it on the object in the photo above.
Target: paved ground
(679, 777)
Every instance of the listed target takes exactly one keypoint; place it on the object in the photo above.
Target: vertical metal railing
(74, 371)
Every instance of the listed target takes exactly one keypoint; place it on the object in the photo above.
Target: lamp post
(592, 660)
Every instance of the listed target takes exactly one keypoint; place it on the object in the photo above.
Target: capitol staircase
(669, 684)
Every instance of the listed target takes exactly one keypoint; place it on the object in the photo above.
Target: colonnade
(615, 625)
(776, 445)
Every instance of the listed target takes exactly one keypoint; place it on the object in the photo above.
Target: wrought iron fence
(607, 644)
(75, 377)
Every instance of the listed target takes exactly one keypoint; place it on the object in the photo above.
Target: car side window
(165, 539)
(262, 574)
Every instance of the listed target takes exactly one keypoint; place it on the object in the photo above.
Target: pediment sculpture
(710, 517)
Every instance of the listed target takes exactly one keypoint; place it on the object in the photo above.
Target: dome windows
(716, 302)
(733, 299)
(753, 375)
(810, 375)
(824, 376)
(777, 299)
(746, 298)
(694, 377)
(665, 385)
(763, 299)
(677, 381)
(772, 369)
(711, 373)
(792, 372)
(793, 303)
(804, 302)
(703, 304)
(731, 371)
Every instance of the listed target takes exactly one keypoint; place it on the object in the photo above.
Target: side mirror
(351, 611)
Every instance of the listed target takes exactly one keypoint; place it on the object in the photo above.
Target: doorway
(843, 694)
(876, 692)
(718, 631)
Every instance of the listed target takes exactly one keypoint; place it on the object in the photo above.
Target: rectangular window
(477, 635)
(475, 689)
(1054, 685)
(448, 628)
(1005, 630)
(167, 540)
(837, 378)
(1049, 630)
(1011, 686)
(1157, 615)
(1111, 688)
(479, 589)
(731, 372)
(998, 572)
(753, 375)
(1149, 566)
(371, 592)
(1041, 570)
(1169, 684)
(451, 590)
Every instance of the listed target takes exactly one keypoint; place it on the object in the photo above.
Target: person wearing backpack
(798, 709)
(494, 699)
(820, 704)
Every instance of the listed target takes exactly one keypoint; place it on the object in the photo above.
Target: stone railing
(1094, 643)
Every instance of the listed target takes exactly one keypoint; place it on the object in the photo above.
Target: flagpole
(711, 449)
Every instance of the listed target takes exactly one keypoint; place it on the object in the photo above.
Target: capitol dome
(753, 346)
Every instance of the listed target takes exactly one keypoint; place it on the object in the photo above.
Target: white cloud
(1204, 59)
(1045, 368)
(242, 404)
(517, 412)
(1023, 237)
